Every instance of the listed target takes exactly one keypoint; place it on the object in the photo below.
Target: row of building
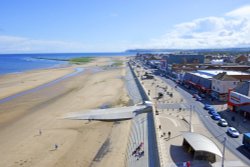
(223, 82)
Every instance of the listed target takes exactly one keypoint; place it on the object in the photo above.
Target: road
(233, 144)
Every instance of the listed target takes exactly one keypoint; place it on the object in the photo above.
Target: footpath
(141, 149)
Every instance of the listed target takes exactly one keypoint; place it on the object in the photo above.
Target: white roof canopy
(201, 143)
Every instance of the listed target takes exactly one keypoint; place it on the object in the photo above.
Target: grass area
(118, 63)
(81, 60)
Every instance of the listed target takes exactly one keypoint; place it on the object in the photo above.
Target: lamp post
(190, 119)
(223, 152)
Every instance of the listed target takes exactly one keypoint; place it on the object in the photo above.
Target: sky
(48, 26)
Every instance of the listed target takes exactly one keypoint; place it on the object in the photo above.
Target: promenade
(142, 130)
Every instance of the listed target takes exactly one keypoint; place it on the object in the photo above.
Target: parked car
(198, 98)
(216, 117)
(212, 112)
(231, 131)
(223, 122)
(208, 107)
(202, 95)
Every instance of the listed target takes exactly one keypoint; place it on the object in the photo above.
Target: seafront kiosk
(200, 147)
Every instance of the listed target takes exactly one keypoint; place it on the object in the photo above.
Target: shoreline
(58, 66)
(42, 86)
(63, 59)
(23, 81)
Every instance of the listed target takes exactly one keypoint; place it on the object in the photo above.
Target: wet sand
(80, 143)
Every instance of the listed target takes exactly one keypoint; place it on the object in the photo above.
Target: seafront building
(191, 70)
(225, 81)
(215, 82)
(239, 99)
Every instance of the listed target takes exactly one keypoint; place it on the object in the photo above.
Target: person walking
(188, 164)
(40, 132)
(169, 134)
(56, 146)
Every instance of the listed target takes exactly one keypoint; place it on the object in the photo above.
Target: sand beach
(31, 125)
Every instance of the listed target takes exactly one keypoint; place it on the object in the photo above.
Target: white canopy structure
(201, 143)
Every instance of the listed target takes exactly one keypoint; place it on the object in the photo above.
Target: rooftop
(201, 143)
(211, 73)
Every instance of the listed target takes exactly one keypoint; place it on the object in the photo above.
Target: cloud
(208, 32)
(14, 44)
(230, 30)
(240, 12)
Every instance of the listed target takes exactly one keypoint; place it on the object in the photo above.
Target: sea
(18, 63)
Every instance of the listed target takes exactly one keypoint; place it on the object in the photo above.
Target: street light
(190, 118)
(223, 152)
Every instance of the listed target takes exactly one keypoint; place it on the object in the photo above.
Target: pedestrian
(160, 127)
(40, 132)
(56, 146)
(134, 152)
(141, 144)
(169, 134)
(141, 153)
(188, 164)
(233, 118)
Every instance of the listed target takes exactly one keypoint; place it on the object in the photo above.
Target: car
(223, 123)
(212, 112)
(202, 95)
(216, 117)
(211, 108)
(208, 107)
(198, 98)
(231, 131)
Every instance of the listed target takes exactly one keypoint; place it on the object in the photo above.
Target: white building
(226, 80)
(239, 99)
(215, 82)
(217, 61)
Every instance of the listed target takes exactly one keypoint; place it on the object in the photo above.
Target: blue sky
(30, 26)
